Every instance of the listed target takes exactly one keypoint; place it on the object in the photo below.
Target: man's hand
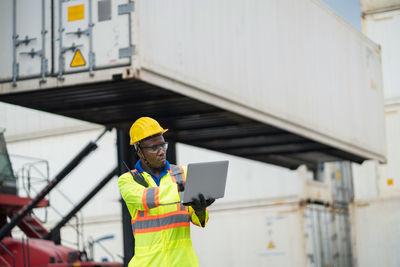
(200, 204)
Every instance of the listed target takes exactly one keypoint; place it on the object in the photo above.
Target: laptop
(207, 178)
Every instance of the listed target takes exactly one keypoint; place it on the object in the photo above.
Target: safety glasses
(155, 148)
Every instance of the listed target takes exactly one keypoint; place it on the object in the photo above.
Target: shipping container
(263, 233)
(381, 22)
(293, 65)
(389, 173)
(377, 6)
(35, 49)
(383, 28)
(375, 226)
(248, 182)
(22, 124)
(366, 179)
(251, 180)
(58, 151)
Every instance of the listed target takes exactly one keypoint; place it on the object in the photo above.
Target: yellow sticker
(78, 60)
(372, 84)
(76, 12)
(390, 181)
(271, 245)
(338, 175)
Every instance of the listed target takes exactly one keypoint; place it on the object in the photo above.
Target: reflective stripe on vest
(177, 173)
(180, 206)
(145, 223)
(150, 197)
(152, 223)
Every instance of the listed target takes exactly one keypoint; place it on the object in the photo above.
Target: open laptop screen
(207, 178)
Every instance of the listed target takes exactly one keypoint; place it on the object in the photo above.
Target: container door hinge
(126, 51)
(126, 8)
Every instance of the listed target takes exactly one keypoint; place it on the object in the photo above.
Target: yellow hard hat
(144, 127)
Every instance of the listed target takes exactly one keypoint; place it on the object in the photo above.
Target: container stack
(310, 228)
(375, 218)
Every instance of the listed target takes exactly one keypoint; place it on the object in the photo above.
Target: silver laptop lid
(207, 178)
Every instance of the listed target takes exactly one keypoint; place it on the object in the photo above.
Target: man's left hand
(200, 204)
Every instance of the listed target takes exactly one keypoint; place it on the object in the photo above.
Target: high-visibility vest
(160, 223)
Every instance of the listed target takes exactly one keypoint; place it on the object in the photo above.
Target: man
(160, 223)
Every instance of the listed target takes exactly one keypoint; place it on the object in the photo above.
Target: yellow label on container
(338, 175)
(390, 181)
(372, 84)
(271, 245)
(76, 12)
(78, 60)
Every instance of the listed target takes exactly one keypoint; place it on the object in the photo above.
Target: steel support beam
(126, 153)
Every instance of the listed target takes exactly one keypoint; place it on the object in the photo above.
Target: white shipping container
(34, 50)
(250, 180)
(389, 174)
(303, 68)
(59, 151)
(376, 234)
(22, 124)
(365, 179)
(279, 232)
(220, 54)
(374, 180)
(383, 28)
(371, 6)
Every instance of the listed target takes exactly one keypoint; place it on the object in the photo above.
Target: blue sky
(347, 9)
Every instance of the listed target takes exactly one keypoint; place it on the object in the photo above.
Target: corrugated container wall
(285, 53)
(266, 234)
(294, 64)
(381, 22)
(366, 179)
(33, 53)
(383, 28)
(375, 220)
(376, 232)
(251, 180)
(373, 6)
(22, 123)
(389, 174)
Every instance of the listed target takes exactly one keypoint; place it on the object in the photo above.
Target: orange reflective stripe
(183, 173)
(144, 196)
(180, 206)
(177, 173)
(151, 196)
(172, 176)
(184, 207)
(139, 214)
(155, 229)
(157, 196)
(158, 222)
(151, 217)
